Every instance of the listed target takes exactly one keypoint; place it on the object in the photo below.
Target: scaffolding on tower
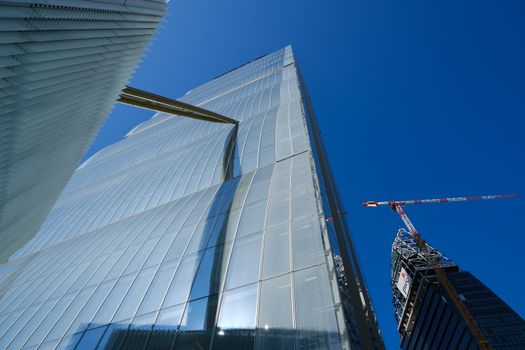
(418, 265)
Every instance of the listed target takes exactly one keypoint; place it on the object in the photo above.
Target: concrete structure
(62, 66)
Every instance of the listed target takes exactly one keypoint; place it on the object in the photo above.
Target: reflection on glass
(169, 319)
(181, 284)
(90, 339)
(275, 324)
(211, 272)
(114, 336)
(197, 324)
(315, 312)
(236, 325)
(165, 329)
(139, 331)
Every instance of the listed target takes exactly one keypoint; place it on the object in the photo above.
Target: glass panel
(200, 237)
(43, 329)
(107, 310)
(50, 345)
(307, 243)
(144, 322)
(212, 271)
(8, 323)
(244, 263)
(104, 269)
(252, 218)
(260, 185)
(122, 262)
(83, 317)
(157, 290)
(69, 342)
(139, 332)
(34, 320)
(90, 339)
(197, 324)
(230, 226)
(195, 215)
(86, 275)
(276, 260)
(249, 161)
(222, 200)
(275, 324)
(169, 319)
(236, 325)
(114, 336)
(179, 244)
(240, 191)
(315, 312)
(218, 233)
(134, 295)
(66, 319)
(267, 155)
(303, 202)
(165, 330)
(157, 255)
(181, 284)
(140, 257)
(278, 208)
(281, 177)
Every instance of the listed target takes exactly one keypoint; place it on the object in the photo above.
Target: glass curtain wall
(189, 235)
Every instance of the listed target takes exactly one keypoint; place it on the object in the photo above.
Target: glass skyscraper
(62, 65)
(190, 234)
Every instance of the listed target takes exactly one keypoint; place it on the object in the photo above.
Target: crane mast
(441, 275)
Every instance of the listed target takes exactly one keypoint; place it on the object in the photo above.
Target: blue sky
(414, 99)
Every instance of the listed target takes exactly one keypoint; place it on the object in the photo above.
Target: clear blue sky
(415, 100)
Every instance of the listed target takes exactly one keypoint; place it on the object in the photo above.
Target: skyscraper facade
(190, 234)
(426, 315)
(62, 65)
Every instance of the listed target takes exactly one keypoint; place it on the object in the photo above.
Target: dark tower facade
(426, 315)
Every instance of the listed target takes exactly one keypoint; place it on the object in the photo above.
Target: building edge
(357, 306)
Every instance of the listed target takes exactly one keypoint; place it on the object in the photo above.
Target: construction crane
(441, 275)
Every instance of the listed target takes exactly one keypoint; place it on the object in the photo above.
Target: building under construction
(426, 316)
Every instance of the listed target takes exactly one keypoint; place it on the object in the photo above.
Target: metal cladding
(62, 66)
(190, 234)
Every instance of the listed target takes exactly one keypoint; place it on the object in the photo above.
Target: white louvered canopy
(62, 66)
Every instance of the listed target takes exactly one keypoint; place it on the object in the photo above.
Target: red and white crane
(398, 206)
(440, 272)
(438, 200)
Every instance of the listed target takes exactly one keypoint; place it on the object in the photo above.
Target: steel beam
(147, 100)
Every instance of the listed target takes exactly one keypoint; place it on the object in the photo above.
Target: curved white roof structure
(62, 66)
